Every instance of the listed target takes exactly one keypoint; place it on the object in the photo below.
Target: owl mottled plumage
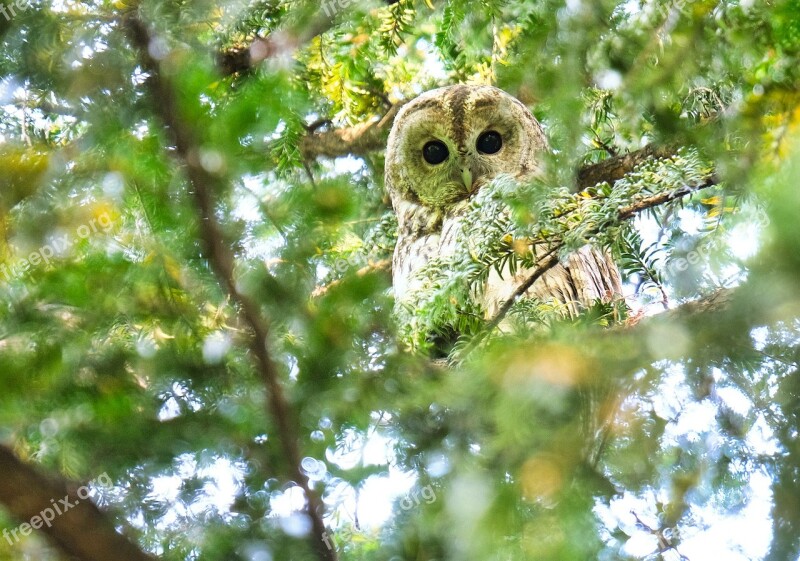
(430, 194)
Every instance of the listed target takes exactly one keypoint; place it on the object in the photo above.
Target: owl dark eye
(435, 152)
(489, 142)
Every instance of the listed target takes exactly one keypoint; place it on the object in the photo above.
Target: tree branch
(358, 140)
(614, 169)
(383, 265)
(550, 260)
(714, 303)
(221, 260)
(716, 322)
(661, 198)
(82, 530)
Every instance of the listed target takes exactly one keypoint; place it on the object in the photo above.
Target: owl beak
(466, 176)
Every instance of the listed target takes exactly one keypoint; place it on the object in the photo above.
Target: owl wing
(588, 275)
(411, 255)
(418, 241)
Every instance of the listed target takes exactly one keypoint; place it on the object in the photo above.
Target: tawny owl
(444, 146)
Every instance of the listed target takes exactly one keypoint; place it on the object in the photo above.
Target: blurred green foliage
(121, 352)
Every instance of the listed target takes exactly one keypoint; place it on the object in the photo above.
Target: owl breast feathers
(444, 147)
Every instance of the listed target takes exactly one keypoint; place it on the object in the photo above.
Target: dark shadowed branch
(81, 530)
(221, 259)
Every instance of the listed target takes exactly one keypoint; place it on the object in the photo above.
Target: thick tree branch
(358, 140)
(714, 303)
(204, 185)
(81, 531)
(614, 169)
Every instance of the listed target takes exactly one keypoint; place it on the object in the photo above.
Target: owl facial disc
(447, 143)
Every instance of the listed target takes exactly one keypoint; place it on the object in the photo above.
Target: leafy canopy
(123, 349)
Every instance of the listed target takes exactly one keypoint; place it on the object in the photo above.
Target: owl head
(449, 141)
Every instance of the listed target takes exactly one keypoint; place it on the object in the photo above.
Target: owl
(443, 148)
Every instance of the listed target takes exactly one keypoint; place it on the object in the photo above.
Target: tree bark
(358, 140)
(81, 530)
(615, 168)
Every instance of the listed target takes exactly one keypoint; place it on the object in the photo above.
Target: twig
(664, 543)
(222, 262)
(283, 42)
(551, 257)
(661, 198)
(309, 174)
(550, 260)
